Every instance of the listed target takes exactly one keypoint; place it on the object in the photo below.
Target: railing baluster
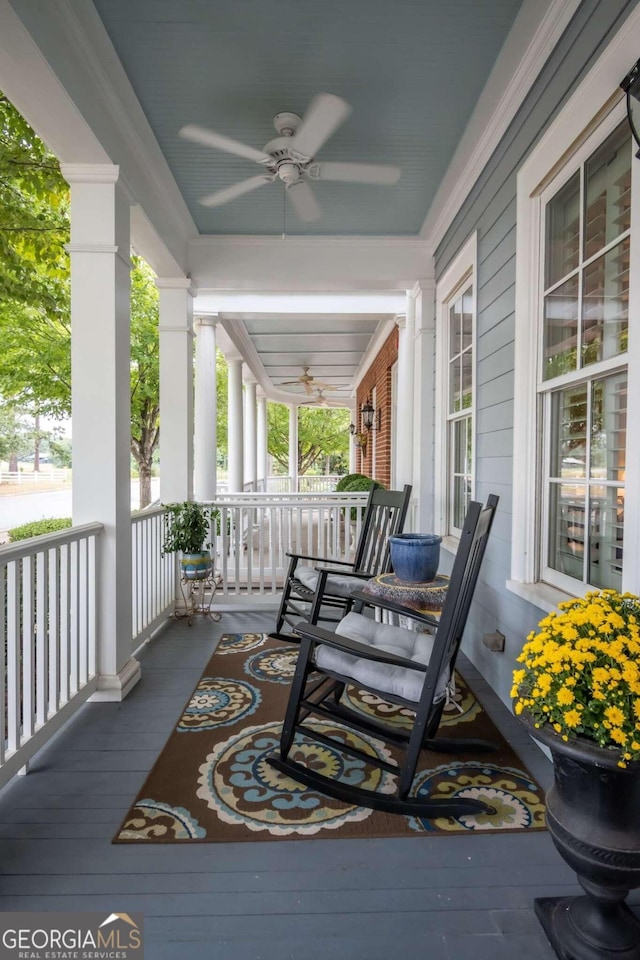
(92, 622)
(74, 585)
(14, 684)
(28, 647)
(65, 622)
(42, 646)
(54, 631)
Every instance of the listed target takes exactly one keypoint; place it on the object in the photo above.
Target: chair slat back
(385, 515)
(462, 584)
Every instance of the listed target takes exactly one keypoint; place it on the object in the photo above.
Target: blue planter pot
(415, 556)
(196, 566)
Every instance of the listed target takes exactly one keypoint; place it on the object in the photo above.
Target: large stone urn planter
(593, 816)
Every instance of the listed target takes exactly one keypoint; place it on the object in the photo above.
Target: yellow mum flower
(572, 718)
(565, 697)
(615, 716)
(618, 736)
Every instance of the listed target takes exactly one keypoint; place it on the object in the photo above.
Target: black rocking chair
(402, 667)
(309, 588)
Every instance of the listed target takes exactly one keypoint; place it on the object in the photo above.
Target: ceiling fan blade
(320, 385)
(325, 114)
(375, 173)
(209, 138)
(304, 202)
(237, 190)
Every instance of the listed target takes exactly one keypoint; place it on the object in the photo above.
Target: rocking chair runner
(308, 589)
(401, 666)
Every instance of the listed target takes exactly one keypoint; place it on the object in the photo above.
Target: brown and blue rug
(211, 783)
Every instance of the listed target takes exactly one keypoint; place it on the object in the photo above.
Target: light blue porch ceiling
(412, 71)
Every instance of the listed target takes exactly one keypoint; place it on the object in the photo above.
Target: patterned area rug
(212, 783)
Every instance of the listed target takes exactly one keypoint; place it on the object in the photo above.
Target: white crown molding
(177, 283)
(90, 172)
(527, 48)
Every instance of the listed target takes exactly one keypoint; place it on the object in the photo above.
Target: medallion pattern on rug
(212, 782)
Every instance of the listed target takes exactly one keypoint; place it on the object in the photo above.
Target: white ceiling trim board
(536, 31)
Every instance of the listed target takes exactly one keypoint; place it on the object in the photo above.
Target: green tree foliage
(35, 360)
(145, 373)
(15, 435)
(322, 432)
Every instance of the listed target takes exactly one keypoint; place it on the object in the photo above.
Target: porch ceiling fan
(308, 382)
(290, 157)
(319, 401)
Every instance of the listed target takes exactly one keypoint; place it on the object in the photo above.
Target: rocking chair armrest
(374, 601)
(317, 635)
(303, 556)
(351, 573)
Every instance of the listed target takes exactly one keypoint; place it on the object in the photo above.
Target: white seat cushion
(338, 584)
(381, 677)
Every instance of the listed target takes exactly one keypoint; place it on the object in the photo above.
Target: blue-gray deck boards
(456, 898)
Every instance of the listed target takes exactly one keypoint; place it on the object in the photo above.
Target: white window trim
(597, 103)
(460, 270)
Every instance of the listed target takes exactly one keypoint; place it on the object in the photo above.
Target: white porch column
(423, 296)
(405, 409)
(176, 388)
(262, 441)
(235, 426)
(293, 447)
(205, 409)
(101, 401)
(251, 445)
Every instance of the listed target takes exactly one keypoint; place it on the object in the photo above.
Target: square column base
(113, 688)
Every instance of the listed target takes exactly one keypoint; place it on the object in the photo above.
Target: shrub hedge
(38, 528)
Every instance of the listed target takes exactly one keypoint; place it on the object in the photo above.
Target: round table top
(427, 597)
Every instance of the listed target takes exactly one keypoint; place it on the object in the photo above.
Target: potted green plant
(186, 531)
(578, 692)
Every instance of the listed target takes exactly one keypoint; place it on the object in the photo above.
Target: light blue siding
(490, 209)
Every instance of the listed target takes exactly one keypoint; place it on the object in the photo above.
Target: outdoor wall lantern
(631, 86)
(371, 419)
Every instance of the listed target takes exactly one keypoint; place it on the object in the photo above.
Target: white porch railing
(324, 483)
(48, 628)
(154, 575)
(253, 532)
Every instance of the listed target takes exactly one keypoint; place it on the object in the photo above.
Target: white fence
(153, 575)
(252, 533)
(325, 483)
(38, 476)
(48, 630)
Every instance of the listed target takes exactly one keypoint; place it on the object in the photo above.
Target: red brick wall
(379, 376)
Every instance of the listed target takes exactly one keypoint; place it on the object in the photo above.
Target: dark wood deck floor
(457, 898)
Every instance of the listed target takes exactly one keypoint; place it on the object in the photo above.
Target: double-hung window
(582, 366)
(456, 389)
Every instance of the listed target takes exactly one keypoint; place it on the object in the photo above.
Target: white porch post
(293, 447)
(206, 410)
(101, 401)
(176, 388)
(404, 419)
(251, 447)
(262, 441)
(423, 295)
(235, 425)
